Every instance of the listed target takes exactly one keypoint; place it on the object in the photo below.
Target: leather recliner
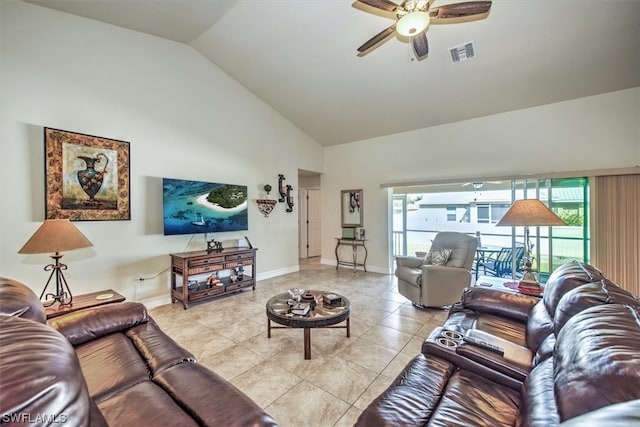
(438, 285)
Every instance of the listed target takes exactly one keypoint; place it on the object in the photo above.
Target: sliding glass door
(419, 213)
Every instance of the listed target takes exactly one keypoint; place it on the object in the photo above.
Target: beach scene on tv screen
(203, 207)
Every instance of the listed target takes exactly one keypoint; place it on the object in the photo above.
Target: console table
(198, 263)
(355, 244)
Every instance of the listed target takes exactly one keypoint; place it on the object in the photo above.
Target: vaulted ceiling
(299, 56)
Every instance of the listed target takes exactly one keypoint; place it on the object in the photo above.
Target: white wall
(590, 133)
(184, 118)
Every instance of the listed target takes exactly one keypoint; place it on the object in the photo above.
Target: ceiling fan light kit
(413, 24)
(413, 18)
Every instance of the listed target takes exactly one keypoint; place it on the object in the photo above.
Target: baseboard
(370, 268)
(278, 272)
(157, 301)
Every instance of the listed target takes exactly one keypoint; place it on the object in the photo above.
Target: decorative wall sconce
(265, 206)
(281, 188)
(289, 198)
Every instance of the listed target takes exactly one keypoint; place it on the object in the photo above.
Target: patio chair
(500, 265)
(438, 285)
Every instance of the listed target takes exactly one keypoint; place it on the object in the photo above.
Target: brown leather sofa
(571, 358)
(110, 365)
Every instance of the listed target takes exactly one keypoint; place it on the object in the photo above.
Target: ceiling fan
(477, 185)
(413, 17)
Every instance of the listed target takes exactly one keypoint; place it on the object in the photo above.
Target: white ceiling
(299, 56)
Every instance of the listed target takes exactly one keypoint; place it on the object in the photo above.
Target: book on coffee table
(301, 308)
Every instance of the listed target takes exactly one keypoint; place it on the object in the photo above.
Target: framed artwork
(86, 177)
(351, 207)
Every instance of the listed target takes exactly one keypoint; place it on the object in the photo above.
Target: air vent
(462, 52)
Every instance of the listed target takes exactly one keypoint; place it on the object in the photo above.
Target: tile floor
(229, 335)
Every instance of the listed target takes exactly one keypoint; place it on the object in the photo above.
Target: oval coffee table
(322, 316)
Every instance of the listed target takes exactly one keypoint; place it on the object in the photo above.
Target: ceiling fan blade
(420, 45)
(377, 38)
(460, 12)
(385, 5)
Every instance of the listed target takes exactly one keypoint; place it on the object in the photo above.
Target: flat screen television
(203, 207)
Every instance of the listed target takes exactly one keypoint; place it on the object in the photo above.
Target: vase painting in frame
(87, 177)
(351, 205)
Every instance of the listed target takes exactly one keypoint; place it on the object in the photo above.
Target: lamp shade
(55, 235)
(529, 212)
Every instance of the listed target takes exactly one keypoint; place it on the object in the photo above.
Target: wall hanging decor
(289, 198)
(351, 208)
(281, 188)
(86, 177)
(265, 206)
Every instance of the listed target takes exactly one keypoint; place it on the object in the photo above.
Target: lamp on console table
(56, 235)
(534, 213)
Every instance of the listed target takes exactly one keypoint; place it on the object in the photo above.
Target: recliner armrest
(506, 304)
(409, 261)
(91, 323)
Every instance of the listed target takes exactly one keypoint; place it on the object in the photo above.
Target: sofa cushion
(16, 299)
(41, 377)
(156, 348)
(597, 359)
(153, 407)
(566, 277)
(589, 295)
(227, 406)
(539, 326)
(91, 323)
(111, 364)
(412, 397)
(433, 391)
(538, 405)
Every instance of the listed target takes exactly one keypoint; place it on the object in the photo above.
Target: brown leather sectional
(569, 359)
(109, 365)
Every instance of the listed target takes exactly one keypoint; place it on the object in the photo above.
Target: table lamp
(56, 235)
(529, 212)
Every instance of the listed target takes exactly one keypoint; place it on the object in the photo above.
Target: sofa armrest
(491, 301)
(86, 325)
(433, 345)
(515, 361)
(433, 274)
(409, 261)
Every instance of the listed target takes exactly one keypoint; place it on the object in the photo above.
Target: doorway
(309, 215)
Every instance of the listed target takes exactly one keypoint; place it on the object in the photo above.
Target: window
(483, 214)
(451, 213)
(491, 213)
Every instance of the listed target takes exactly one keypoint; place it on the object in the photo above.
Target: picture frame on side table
(87, 178)
(351, 204)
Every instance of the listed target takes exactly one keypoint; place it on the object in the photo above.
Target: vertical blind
(616, 229)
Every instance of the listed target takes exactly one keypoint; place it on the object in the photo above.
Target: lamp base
(63, 293)
(529, 285)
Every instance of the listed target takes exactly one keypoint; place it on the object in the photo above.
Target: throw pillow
(437, 257)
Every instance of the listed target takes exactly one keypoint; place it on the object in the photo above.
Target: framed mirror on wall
(351, 204)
